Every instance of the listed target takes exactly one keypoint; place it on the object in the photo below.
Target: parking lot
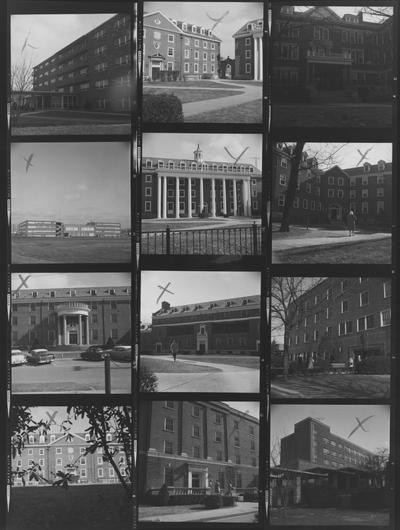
(70, 375)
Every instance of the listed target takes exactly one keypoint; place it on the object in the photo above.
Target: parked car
(18, 358)
(93, 353)
(40, 356)
(121, 353)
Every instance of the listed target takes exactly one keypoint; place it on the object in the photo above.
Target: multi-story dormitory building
(31, 228)
(222, 326)
(93, 72)
(249, 50)
(341, 318)
(184, 50)
(193, 444)
(313, 445)
(55, 452)
(71, 316)
(181, 187)
(317, 50)
(325, 197)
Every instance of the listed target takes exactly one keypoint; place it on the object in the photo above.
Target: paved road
(229, 379)
(70, 375)
(242, 512)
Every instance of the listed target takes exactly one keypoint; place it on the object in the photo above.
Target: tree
(377, 466)
(148, 380)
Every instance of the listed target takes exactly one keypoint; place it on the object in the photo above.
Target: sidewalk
(198, 513)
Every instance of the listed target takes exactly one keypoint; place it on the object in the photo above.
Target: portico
(73, 324)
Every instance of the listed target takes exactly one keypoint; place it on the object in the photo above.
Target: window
(365, 323)
(387, 289)
(58, 461)
(345, 327)
(218, 436)
(219, 455)
(196, 451)
(218, 418)
(364, 298)
(386, 317)
(344, 306)
(196, 430)
(58, 450)
(168, 447)
(170, 52)
(196, 411)
(100, 472)
(169, 404)
(169, 424)
(171, 38)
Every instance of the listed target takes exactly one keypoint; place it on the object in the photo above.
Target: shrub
(322, 365)
(250, 497)
(148, 381)
(162, 108)
(206, 76)
(183, 500)
(375, 364)
(163, 496)
(213, 501)
(229, 500)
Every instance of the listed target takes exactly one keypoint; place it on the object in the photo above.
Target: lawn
(250, 112)
(188, 96)
(247, 361)
(97, 507)
(376, 252)
(323, 115)
(354, 386)
(70, 250)
(167, 366)
(192, 84)
(305, 517)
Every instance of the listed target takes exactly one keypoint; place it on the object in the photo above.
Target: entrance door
(334, 214)
(73, 337)
(196, 480)
(202, 348)
(155, 72)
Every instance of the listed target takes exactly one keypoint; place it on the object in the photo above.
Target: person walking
(351, 222)
(173, 348)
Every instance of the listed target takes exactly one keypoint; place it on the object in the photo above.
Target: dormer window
(194, 29)
(184, 26)
(381, 165)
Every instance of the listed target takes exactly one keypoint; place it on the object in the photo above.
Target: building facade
(175, 49)
(312, 444)
(341, 318)
(326, 197)
(318, 51)
(249, 50)
(66, 453)
(191, 445)
(174, 188)
(93, 72)
(40, 228)
(75, 317)
(230, 326)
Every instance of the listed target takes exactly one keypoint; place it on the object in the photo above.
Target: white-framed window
(204, 68)
(386, 317)
(171, 38)
(247, 41)
(364, 323)
(248, 68)
(58, 461)
(196, 68)
(196, 43)
(170, 52)
(100, 472)
(305, 204)
(387, 288)
(169, 424)
(364, 298)
(58, 450)
(247, 54)
(168, 447)
(344, 306)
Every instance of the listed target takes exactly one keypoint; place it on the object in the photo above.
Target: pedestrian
(310, 364)
(173, 348)
(351, 222)
(217, 487)
(351, 364)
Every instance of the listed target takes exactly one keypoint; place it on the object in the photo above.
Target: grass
(188, 96)
(314, 115)
(250, 112)
(70, 250)
(354, 386)
(97, 507)
(305, 517)
(375, 252)
(169, 367)
(247, 361)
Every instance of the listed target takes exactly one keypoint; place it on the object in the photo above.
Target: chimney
(165, 306)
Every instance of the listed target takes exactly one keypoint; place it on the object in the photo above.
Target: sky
(190, 287)
(177, 145)
(74, 182)
(53, 280)
(346, 155)
(340, 418)
(347, 10)
(49, 33)
(197, 13)
(250, 407)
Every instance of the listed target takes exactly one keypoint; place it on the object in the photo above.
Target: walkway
(247, 510)
(229, 379)
(198, 223)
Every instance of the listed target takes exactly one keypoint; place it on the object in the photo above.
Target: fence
(237, 241)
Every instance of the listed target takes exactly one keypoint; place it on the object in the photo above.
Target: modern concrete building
(249, 50)
(31, 228)
(175, 49)
(341, 318)
(93, 72)
(326, 197)
(75, 317)
(182, 187)
(230, 326)
(188, 446)
(55, 452)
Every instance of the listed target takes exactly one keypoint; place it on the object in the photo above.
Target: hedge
(162, 108)
(375, 364)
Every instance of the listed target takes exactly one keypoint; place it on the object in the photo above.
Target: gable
(322, 13)
(158, 20)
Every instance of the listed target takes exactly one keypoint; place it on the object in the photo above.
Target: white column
(234, 197)
(59, 330)
(80, 330)
(159, 192)
(224, 195)
(189, 200)
(164, 204)
(87, 330)
(255, 61)
(66, 342)
(213, 206)
(177, 197)
(201, 195)
(244, 197)
(248, 198)
(260, 47)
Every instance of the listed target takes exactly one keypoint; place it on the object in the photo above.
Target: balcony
(73, 308)
(343, 58)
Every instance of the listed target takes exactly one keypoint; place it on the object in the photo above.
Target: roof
(23, 294)
(206, 307)
(243, 30)
(189, 161)
(177, 25)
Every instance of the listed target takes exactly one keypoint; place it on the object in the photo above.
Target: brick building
(55, 452)
(325, 197)
(341, 318)
(312, 444)
(93, 72)
(183, 50)
(249, 50)
(317, 51)
(182, 187)
(222, 326)
(74, 317)
(190, 445)
(40, 228)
